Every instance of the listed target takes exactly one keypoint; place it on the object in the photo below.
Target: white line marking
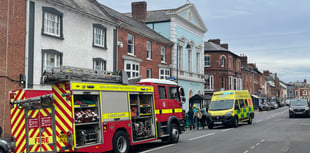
(226, 130)
(155, 149)
(246, 151)
(252, 147)
(258, 121)
(257, 144)
(202, 136)
(262, 141)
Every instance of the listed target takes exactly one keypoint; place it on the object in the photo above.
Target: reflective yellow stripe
(157, 111)
(167, 111)
(178, 110)
(115, 115)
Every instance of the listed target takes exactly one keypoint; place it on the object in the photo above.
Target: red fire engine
(95, 111)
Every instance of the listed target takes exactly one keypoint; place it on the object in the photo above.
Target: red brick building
(222, 68)
(301, 89)
(252, 78)
(142, 52)
(12, 54)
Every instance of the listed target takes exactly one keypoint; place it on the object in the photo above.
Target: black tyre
(250, 121)
(174, 133)
(1, 151)
(235, 122)
(291, 116)
(121, 143)
(210, 126)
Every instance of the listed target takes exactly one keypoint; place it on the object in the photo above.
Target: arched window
(190, 93)
(222, 61)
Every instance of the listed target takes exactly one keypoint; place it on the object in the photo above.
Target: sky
(273, 34)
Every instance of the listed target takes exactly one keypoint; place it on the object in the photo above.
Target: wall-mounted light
(120, 44)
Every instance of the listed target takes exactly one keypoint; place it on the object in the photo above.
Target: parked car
(275, 104)
(271, 105)
(264, 107)
(4, 146)
(299, 107)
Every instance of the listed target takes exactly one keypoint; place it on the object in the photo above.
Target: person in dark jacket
(191, 116)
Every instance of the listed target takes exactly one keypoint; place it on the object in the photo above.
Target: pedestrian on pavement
(195, 116)
(199, 118)
(191, 117)
(204, 116)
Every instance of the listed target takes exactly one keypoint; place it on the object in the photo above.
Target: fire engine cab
(95, 111)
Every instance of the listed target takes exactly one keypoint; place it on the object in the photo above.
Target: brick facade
(140, 45)
(12, 54)
(222, 74)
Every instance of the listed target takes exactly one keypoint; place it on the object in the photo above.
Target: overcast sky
(274, 34)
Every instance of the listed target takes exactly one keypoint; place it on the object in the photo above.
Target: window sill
(131, 54)
(163, 62)
(49, 35)
(101, 47)
(149, 59)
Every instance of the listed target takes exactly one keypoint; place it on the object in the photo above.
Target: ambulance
(95, 111)
(230, 108)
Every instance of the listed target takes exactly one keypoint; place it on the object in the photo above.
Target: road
(271, 132)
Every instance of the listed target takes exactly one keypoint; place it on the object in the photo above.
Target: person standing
(195, 116)
(204, 116)
(191, 117)
(199, 119)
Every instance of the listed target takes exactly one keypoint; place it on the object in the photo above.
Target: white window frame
(190, 60)
(207, 61)
(163, 54)
(148, 50)
(165, 75)
(133, 70)
(181, 58)
(296, 93)
(99, 64)
(99, 35)
(47, 57)
(222, 61)
(131, 45)
(198, 60)
(210, 83)
(304, 93)
(148, 73)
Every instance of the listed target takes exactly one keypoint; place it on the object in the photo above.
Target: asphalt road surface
(271, 132)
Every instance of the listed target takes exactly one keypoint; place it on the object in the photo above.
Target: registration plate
(217, 123)
(299, 112)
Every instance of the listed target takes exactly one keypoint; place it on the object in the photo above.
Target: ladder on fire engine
(67, 73)
(35, 102)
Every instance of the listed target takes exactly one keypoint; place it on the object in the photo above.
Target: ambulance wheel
(235, 122)
(174, 133)
(250, 120)
(121, 142)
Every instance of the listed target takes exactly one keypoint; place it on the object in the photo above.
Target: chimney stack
(305, 81)
(225, 46)
(138, 11)
(216, 41)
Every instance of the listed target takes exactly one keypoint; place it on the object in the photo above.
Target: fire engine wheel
(121, 142)
(1, 151)
(174, 133)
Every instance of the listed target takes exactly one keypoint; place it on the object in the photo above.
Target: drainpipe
(27, 40)
(6, 62)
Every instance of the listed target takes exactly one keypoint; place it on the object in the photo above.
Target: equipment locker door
(40, 130)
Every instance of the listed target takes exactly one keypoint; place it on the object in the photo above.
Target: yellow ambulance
(230, 108)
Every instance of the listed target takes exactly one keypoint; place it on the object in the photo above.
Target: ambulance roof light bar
(67, 73)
